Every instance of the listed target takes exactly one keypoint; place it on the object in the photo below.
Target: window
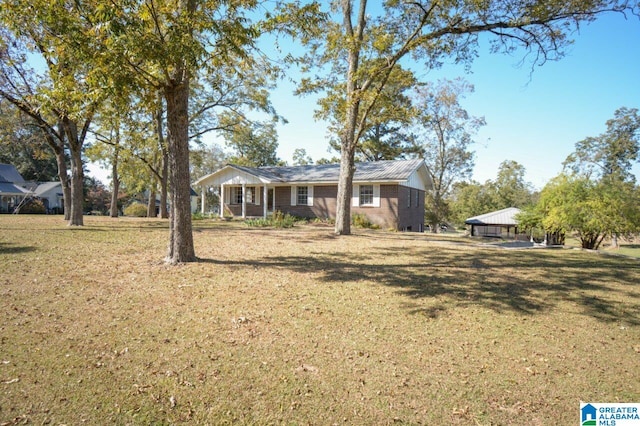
(236, 194)
(366, 195)
(302, 195)
(409, 198)
(417, 199)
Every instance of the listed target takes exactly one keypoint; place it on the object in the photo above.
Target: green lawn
(299, 326)
(630, 248)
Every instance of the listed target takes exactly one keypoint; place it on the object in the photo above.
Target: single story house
(390, 193)
(500, 223)
(12, 188)
(51, 195)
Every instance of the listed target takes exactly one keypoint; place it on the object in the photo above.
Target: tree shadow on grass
(525, 282)
(9, 248)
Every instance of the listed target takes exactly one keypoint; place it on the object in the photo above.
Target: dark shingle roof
(8, 173)
(7, 188)
(9, 177)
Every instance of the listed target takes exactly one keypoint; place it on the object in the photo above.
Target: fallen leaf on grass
(307, 368)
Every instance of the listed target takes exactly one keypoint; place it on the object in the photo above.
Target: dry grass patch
(300, 326)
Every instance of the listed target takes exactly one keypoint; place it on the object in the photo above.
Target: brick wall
(385, 216)
(324, 202)
(252, 209)
(394, 211)
(410, 209)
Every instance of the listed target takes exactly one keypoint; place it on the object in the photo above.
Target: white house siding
(418, 181)
(53, 197)
(234, 177)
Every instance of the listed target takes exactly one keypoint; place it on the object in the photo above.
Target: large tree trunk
(61, 162)
(77, 172)
(62, 175)
(345, 192)
(66, 187)
(164, 184)
(151, 204)
(75, 140)
(181, 247)
(164, 178)
(348, 139)
(77, 193)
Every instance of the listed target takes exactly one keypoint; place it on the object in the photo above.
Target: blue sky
(532, 118)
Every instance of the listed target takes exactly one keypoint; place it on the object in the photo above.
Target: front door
(270, 199)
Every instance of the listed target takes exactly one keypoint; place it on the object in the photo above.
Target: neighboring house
(194, 201)
(390, 193)
(51, 195)
(501, 223)
(12, 188)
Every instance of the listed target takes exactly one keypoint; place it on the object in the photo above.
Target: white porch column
(221, 201)
(244, 200)
(202, 195)
(265, 200)
(273, 200)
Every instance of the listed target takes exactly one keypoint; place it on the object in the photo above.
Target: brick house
(390, 193)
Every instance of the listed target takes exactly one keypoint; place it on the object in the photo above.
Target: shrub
(258, 222)
(281, 220)
(201, 216)
(32, 206)
(326, 220)
(361, 220)
(136, 210)
(277, 220)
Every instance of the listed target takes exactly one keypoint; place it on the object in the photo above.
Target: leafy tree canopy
(206, 160)
(444, 134)
(355, 55)
(599, 198)
(253, 144)
(300, 157)
(509, 189)
(22, 144)
(593, 210)
(613, 153)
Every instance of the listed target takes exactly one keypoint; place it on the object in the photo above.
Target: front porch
(239, 193)
(244, 200)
